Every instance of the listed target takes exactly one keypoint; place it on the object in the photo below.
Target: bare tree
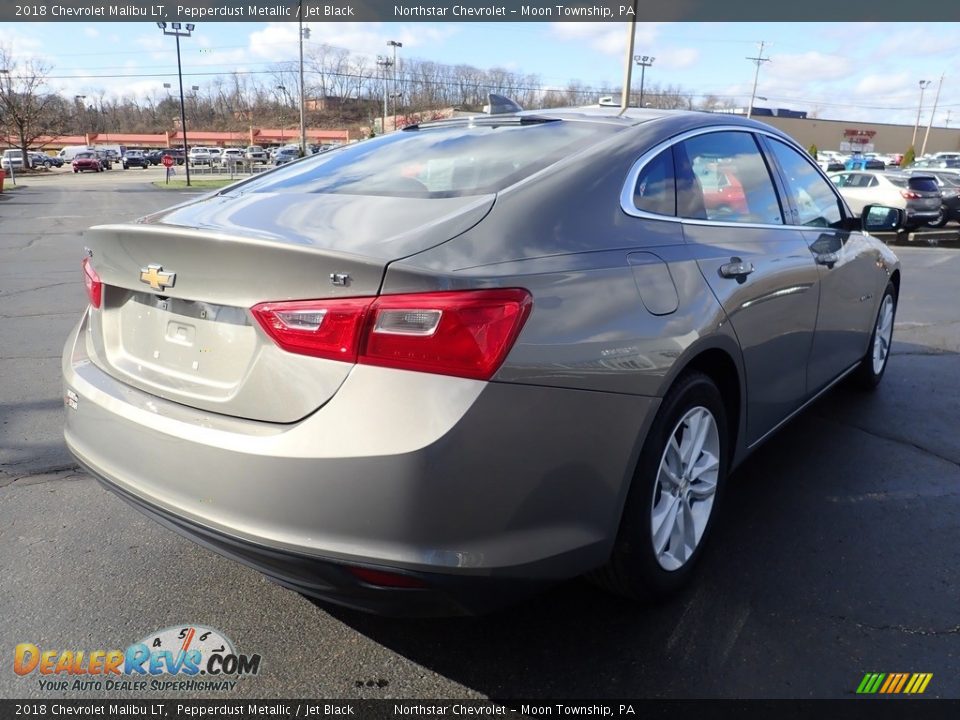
(28, 110)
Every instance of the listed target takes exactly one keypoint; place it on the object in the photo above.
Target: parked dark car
(43, 160)
(135, 158)
(175, 153)
(86, 161)
(434, 371)
(949, 184)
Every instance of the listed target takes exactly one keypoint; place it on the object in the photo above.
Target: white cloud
(607, 38)
(91, 32)
(802, 66)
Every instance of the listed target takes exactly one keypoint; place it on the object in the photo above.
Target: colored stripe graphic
(894, 683)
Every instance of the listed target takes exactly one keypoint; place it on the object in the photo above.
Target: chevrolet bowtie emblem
(155, 277)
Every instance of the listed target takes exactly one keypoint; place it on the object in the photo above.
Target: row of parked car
(928, 196)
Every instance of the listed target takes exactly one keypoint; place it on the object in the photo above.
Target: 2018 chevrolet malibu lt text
(432, 371)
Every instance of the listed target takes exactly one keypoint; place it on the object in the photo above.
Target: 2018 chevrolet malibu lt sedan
(435, 370)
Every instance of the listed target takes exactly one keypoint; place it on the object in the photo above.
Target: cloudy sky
(864, 71)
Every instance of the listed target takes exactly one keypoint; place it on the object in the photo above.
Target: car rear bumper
(483, 490)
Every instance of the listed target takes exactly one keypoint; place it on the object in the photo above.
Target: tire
(636, 570)
(939, 222)
(874, 364)
(75, 170)
(47, 164)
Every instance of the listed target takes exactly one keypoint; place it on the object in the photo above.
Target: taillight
(461, 333)
(92, 282)
(383, 578)
(910, 194)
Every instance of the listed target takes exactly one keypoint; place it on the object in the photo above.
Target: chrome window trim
(626, 193)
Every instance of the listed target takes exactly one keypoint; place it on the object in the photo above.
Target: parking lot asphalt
(836, 553)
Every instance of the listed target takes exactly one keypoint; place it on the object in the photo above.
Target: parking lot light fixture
(644, 61)
(177, 32)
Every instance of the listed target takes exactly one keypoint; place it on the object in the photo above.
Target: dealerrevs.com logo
(183, 658)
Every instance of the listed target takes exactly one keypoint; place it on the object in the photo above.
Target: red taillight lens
(910, 194)
(466, 333)
(382, 578)
(92, 282)
(323, 328)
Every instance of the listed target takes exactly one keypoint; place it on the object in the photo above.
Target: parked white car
(917, 195)
(200, 156)
(231, 155)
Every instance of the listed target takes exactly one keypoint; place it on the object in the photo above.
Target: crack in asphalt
(955, 630)
(892, 438)
(42, 314)
(7, 480)
(29, 290)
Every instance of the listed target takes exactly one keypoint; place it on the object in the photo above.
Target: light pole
(283, 111)
(394, 44)
(936, 100)
(384, 62)
(924, 84)
(178, 30)
(644, 61)
(304, 35)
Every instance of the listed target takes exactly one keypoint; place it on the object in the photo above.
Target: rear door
(759, 268)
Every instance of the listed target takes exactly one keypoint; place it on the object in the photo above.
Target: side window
(656, 190)
(723, 176)
(817, 205)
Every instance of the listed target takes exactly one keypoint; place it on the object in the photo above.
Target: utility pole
(924, 84)
(384, 62)
(947, 124)
(178, 31)
(394, 44)
(760, 59)
(933, 112)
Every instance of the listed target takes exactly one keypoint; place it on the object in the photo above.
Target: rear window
(438, 162)
(923, 184)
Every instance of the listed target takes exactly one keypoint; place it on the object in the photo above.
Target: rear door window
(722, 176)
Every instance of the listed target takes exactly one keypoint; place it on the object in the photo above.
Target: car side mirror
(880, 218)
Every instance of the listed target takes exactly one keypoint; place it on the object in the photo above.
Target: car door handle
(736, 269)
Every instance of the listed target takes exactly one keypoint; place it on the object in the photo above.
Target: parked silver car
(436, 370)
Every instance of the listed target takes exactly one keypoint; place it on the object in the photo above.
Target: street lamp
(924, 84)
(283, 112)
(394, 44)
(644, 61)
(304, 35)
(178, 30)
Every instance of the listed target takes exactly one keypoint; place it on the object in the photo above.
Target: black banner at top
(813, 11)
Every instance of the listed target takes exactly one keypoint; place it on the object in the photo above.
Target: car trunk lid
(178, 286)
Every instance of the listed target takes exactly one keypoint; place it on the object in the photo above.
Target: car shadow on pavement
(789, 598)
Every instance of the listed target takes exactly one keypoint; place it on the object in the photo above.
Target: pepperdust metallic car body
(387, 480)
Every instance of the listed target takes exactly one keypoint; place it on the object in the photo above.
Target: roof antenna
(500, 105)
(628, 69)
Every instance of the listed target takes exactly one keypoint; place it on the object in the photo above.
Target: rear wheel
(870, 371)
(939, 222)
(673, 497)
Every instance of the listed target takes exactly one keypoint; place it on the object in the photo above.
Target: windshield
(439, 161)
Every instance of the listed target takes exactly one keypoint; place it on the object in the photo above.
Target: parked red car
(86, 161)
(722, 194)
